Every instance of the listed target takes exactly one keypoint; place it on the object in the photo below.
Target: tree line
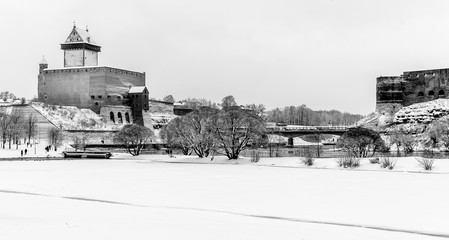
(294, 115)
(302, 115)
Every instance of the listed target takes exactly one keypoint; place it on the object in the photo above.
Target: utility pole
(34, 139)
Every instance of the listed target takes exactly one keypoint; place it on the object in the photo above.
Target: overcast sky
(325, 54)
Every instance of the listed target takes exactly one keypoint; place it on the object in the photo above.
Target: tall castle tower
(82, 83)
(43, 65)
(79, 49)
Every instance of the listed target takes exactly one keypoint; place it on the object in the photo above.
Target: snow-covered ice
(157, 197)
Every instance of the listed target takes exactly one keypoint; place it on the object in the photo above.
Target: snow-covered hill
(73, 118)
(425, 112)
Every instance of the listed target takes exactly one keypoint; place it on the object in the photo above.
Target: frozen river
(145, 198)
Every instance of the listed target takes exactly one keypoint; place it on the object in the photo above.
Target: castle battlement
(93, 69)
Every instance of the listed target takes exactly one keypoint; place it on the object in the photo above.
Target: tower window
(441, 93)
(111, 116)
(119, 117)
(100, 97)
(96, 103)
(127, 117)
(431, 93)
(92, 97)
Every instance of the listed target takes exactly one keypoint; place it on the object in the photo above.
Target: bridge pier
(290, 142)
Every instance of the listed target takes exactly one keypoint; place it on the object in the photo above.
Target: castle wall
(110, 114)
(386, 112)
(119, 81)
(90, 137)
(390, 89)
(87, 87)
(66, 87)
(423, 86)
(160, 107)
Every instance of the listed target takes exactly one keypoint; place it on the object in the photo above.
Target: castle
(395, 92)
(118, 95)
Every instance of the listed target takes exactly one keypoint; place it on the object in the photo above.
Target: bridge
(298, 130)
(292, 131)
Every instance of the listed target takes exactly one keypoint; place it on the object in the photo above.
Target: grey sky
(325, 54)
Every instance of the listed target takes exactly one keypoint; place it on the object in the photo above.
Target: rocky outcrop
(425, 112)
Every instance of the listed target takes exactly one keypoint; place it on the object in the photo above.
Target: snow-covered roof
(137, 89)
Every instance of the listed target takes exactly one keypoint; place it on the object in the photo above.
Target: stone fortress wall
(87, 87)
(395, 92)
(116, 114)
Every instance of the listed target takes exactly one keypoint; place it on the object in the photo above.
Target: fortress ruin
(395, 92)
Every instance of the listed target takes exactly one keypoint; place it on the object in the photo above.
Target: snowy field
(157, 197)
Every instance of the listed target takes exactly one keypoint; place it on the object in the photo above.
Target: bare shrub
(374, 160)
(255, 156)
(426, 163)
(348, 160)
(307, 156)
(387, 162)
(402, 139)
(361, 142)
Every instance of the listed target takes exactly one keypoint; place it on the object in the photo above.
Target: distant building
(85, 84)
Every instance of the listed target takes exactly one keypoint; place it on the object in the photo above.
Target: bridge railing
(309, 128)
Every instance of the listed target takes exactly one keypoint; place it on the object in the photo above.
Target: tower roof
(43, 61)
(79, 37)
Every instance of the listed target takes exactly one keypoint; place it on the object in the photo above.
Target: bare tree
(134, 137)
(360, 142)
(274, 142)
(55, 137)
(5, 126)
(169, 134)
(30, 126)
(235, 128)
(15, 128)
(193, 131)
(169, 98)
(228, 101)
(258, 109)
